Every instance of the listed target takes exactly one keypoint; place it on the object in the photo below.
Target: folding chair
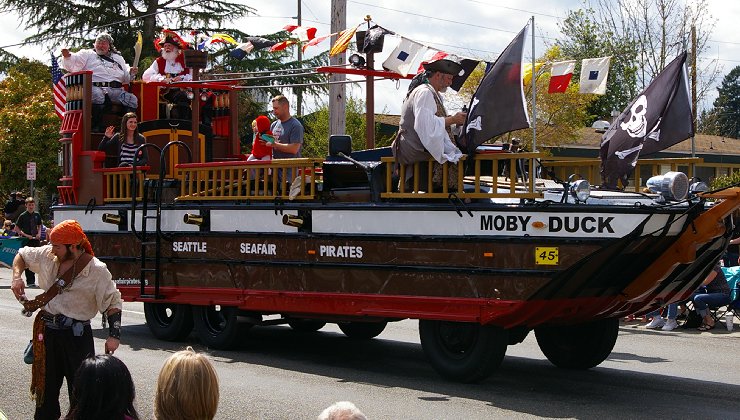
(733, 279)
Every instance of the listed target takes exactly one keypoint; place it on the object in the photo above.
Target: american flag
(57, 85)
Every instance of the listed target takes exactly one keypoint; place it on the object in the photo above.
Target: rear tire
(216, 327)
(167, 321)
(306, 325)
(580, 346)
(462, 351)
(362, 330)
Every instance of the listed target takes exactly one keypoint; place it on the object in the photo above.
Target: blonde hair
(187, 388)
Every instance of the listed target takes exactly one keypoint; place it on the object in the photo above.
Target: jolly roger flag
(498, 104)
(659, 118)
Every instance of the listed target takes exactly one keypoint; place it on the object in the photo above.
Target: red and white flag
(560, 76)
(317, 41)
(304, 33)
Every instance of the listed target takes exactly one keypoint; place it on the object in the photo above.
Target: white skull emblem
(637, 124)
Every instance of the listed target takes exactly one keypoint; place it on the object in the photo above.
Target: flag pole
(533, 175)
(534, 94)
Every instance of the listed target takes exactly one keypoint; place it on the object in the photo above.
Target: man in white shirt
(424, 124)
(170, 67)
(109, 74)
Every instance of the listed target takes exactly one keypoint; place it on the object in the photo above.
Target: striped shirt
(127, 152)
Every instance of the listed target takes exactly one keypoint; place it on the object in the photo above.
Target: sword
(137, 50)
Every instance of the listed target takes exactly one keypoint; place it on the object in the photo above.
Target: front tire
(362, 330)
(462, 351)
(167, 321)
(217, 327)
(580, 346)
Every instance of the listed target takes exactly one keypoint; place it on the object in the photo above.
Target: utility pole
(337, 91)
(299, 90)
(693, 88)
(369, 95)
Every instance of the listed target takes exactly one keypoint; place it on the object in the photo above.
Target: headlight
(580, 189)
(672, 185)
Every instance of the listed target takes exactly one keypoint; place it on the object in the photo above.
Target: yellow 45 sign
(546, 255)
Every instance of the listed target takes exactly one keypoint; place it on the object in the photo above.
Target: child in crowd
(187, 388)
(103, 389)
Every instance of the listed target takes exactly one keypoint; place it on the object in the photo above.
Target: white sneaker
(656, 323)
(670, 325)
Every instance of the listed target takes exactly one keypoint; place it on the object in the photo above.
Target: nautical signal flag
(594, 72)
(343, 41)
(404, 56)
(58, 88)
(316, 41)
(560, 76)
(527, 72)
(304, 33)
(282, 45)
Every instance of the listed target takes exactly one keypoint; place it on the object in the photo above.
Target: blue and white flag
(594, 72)
(403, 57)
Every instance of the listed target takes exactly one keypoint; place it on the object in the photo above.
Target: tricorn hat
(446, 65)
(170, 37)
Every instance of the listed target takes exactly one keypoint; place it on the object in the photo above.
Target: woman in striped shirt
(127, 143)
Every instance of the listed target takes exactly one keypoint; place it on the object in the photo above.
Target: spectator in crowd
(103, 389)
(28, 226)
(187, 388)
(668, 324)
(126, 142)
(342, 410)
(14, 206)
(8, 228)
(715, 292)
(110, 74)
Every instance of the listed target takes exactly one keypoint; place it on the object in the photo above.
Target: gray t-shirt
(290, 131)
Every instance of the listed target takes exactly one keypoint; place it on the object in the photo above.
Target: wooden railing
(589, 169)
(517, 184)
(256, 180)
(119, 184)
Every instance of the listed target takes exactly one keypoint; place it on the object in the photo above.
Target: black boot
(97, 118)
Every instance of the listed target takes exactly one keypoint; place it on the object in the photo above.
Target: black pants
(30, 275)
(64, 354)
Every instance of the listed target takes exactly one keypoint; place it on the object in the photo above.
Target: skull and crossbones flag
(657, 119)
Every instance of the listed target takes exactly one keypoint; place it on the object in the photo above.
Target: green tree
(727, 105)
(30, 129)
(74, 23)
(316, 139)
(585, 37)
(559, 116)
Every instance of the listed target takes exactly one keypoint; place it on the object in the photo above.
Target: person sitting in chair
(109, 74)
(168, 68)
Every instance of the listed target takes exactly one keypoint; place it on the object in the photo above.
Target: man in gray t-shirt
(287, 130)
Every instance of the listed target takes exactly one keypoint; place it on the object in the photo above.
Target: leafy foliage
(726, 112)
(586, 38)
(316, 139)
(30, 129)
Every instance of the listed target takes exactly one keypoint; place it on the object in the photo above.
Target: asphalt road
(278, 373)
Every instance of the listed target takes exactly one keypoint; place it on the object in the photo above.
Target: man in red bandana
(80, 286)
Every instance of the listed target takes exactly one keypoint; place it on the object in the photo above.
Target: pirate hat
(169, 37)
(448, 65)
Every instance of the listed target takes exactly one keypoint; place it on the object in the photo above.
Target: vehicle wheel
(580, 346)
(167, 321)
(462, 351)
(217, 326)
(362, 330)
(306, 325)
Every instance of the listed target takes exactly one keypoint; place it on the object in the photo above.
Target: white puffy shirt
(103, 71)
